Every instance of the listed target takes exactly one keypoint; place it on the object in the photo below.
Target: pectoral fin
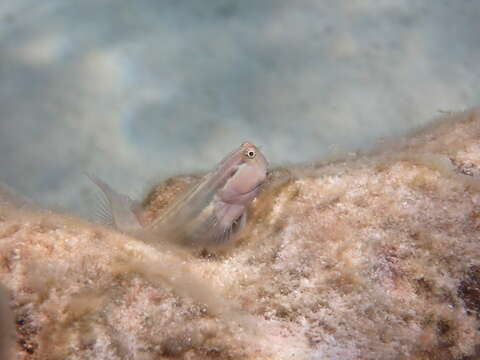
(215, 226)
(226, 221)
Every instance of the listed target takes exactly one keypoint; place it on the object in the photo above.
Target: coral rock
(374, 256)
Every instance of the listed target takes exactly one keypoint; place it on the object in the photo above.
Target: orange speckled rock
(164, 194)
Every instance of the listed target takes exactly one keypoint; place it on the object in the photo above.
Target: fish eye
(250, 153)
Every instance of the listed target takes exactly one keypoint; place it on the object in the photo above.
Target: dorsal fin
(117, 209)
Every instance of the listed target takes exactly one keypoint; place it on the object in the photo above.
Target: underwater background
(135, 91)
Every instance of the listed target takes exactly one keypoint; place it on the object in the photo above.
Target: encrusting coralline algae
(372, 257)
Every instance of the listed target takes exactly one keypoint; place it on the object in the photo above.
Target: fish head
(249, 175)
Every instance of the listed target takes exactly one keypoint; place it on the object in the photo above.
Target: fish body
(207, 215)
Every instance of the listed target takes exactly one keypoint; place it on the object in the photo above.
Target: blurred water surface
(138, 90)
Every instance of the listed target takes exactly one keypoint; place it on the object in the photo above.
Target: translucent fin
(215, 228)
(102, 213)
(211, 232)
(116, 209)
(240, 223)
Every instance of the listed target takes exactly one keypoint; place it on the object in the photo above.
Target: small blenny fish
(207, 215)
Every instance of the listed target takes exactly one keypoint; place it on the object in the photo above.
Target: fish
(212, 213)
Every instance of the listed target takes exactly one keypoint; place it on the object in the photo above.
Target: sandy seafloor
(135, 91)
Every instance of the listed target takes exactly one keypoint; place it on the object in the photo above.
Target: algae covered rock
(373, 256)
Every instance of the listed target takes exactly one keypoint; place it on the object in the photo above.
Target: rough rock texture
(371, 257)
